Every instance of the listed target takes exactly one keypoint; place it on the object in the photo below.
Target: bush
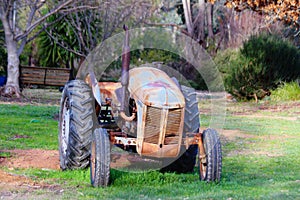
(280, 59)
(261, 65)
(286, 92)
(224, 60)
(246, 80)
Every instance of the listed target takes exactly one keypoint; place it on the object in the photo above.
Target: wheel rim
(65, 127)
(93, 161)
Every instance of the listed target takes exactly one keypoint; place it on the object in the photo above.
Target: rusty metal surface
(196, 138)
(160, 111)
(157, 122)
(173, 127)
(160, 106)
(154, 150)
(155, 88)
(124, 141)
(91, 80)
(151, 86)
(108, 90)
(159, 133)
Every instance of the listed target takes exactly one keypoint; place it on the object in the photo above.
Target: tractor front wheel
(100, 158)
(210, 161)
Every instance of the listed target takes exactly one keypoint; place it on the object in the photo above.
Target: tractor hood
(154, 87)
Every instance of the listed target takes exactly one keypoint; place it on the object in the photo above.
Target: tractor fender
(91, 80)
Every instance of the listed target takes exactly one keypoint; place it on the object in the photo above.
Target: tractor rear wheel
(210, 166)
(100, 158)
(76, 124)
(186, 162)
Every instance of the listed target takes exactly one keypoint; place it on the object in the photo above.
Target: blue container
(2, 80)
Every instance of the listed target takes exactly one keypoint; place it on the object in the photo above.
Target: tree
(76, 34)
(285, 10)
(19, 19)
(216, 25)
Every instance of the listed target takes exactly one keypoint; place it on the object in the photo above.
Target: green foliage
(3, 53)
(286, 92)
(61, 44)
(137, 58)
(262, 63)
(246, 80)
(279, 59)
(50, 53)
(224, 60)
(2, 71)
(153, 55)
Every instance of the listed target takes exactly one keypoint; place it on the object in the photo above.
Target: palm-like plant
(69, 39)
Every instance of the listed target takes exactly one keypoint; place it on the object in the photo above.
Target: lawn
(260, 158)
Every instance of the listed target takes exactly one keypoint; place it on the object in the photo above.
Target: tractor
(147, 112)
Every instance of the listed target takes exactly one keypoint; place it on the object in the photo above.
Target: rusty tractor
(147, 111)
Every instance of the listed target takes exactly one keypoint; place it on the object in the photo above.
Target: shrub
(246, 80)
(261, 65)
(280, 60)
(224, 60)
(286, 92)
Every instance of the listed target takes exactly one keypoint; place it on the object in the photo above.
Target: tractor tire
(186, 162)
(191, 115)
(210, 167)
(100, 158)
(76, 124)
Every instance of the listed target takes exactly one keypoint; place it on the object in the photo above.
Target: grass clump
(286, 92)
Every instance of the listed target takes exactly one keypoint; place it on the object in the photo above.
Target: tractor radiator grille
(154, 122)
(152, 127)
(173, 125)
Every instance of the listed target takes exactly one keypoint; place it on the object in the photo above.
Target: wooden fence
(44, 76)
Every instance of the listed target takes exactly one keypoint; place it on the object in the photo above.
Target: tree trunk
(12, 84)
(202, 21)
(210, 8)
(13, 61)
(188, 16)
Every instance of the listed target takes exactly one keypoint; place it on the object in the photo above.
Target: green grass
(26, 127)
(286, 92)
(263, 126)
(263, 166)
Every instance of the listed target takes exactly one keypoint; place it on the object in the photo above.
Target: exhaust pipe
(125, 76)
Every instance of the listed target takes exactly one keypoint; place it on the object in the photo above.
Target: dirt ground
(15, 186)
(33, 158)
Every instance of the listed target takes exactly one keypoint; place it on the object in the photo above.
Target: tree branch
(33, 9)
(79, 8)
(40, 20)
(45, 26)
(64, 47)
